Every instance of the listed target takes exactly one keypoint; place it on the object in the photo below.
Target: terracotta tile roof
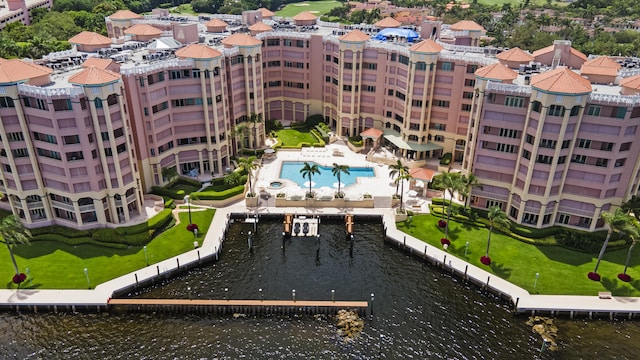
(632, 82)
(266, 12)
(94, 76)
(388, 22)
(90, 38)
(143, 29)
(17, 70)
(305, 15)
(240, 39)
(260, 26)
(496, 71)
(426, 46)
(422, 174)
(602, 65)
(372, 133)
(354, 36)
(215, 23)
(97, 62)
(578, 54)
(198, 51)
(515, 54)
(561, 80)
(124, 15)
(466, 25)
(542, 51)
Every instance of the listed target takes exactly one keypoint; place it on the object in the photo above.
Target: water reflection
(419, 312)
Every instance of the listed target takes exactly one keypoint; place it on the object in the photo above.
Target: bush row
(218, 195)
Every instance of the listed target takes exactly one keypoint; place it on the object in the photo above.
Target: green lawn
(562, 271)
(59, 266)
(291, 137)
(318, 8)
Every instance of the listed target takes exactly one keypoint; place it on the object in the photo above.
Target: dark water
(419, 312)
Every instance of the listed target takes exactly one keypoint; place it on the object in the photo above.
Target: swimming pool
(291, 170)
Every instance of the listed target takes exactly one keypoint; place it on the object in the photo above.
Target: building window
(510, 133)
(562, 159)
(620, 162)
(6, 102)
(580, 159)
(563, 218)
(51, 139)
(514, 101)
(526, 154)
(594, 110)
(584, 143)
(417, 103)
(544, 159)
(566, 144)
(465, 107)
(469, 82)
(20, 153)
(62, 104)
(447, 66)
(471, 69)
(371, 66)
(421, 66)
(556, 110)
(549, 144)
(441, 103)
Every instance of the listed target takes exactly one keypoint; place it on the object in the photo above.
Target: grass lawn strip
(291, 137)
(562, 271)
(53, 265)
(317, 8)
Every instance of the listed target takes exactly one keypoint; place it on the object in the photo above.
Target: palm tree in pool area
(255, 119)
(13, 233)
(397, 170)
(249, 164)
(633, 231)
(337, 171)
(308, 171)
(617, 220)
(497, 219)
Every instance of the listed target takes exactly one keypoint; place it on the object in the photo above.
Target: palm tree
(249, 164)
(169, 173)
(633, 231)
(450, 183)
(497, 219)
(401, 178)
(13, 233)
(308, 171)
(632, 206)
(239, 131)
(255, 119)
(337, 171)
(616, 221)
(397, 170)
(469, 182)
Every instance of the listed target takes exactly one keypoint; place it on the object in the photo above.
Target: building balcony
(573, 211)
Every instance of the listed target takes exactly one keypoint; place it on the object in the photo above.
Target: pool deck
(523, 302)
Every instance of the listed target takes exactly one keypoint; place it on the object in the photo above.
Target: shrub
(169, 204)
(107, 235)
(219, 195)
(356, 140)
(446, 159)
(314, 120)
(59, 230)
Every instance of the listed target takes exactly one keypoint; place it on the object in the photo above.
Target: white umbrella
(412, 193)
(337, 184)
(306, 184)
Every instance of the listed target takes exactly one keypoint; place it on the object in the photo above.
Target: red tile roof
(240, 39)
(426, 46)
(371, 133)
(124, 15)
(94, 76)
(632, 82)
(602, 65)
(198, 51)
(561, 80)
(90, 38)
(496, 71)
(97, 62)
(215, 23)
(260, 26)
(266, 12)
(17, 70)
(143, 29)
(515, 54)
(305, 15)
(467, 25)
(388, 22)
(354, 36)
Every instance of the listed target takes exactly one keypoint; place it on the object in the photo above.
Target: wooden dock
(240, 306)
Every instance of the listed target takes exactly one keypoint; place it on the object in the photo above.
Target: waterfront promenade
(522, 300)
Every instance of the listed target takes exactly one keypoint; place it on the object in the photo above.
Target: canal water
(419, 312)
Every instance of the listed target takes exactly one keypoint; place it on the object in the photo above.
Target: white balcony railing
(509, 88)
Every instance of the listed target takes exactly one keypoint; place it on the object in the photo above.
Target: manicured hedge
(75, 241)
(446, 159)
(218, 195)
(60, 230)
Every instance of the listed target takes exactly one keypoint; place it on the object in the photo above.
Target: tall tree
(449, 182)
(239, 134)
(249, 164)
(632, 206)
(617, 221)
(397, 170)
(308, 171)
(469, 181)
(337, 171)
(404, 175)
(633, 231)
(169, 173)
(255, 119)
(13, 233)
(499, 220)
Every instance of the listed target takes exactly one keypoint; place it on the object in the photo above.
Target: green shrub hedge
(218, 195)
(446, 159)
(85, 240)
